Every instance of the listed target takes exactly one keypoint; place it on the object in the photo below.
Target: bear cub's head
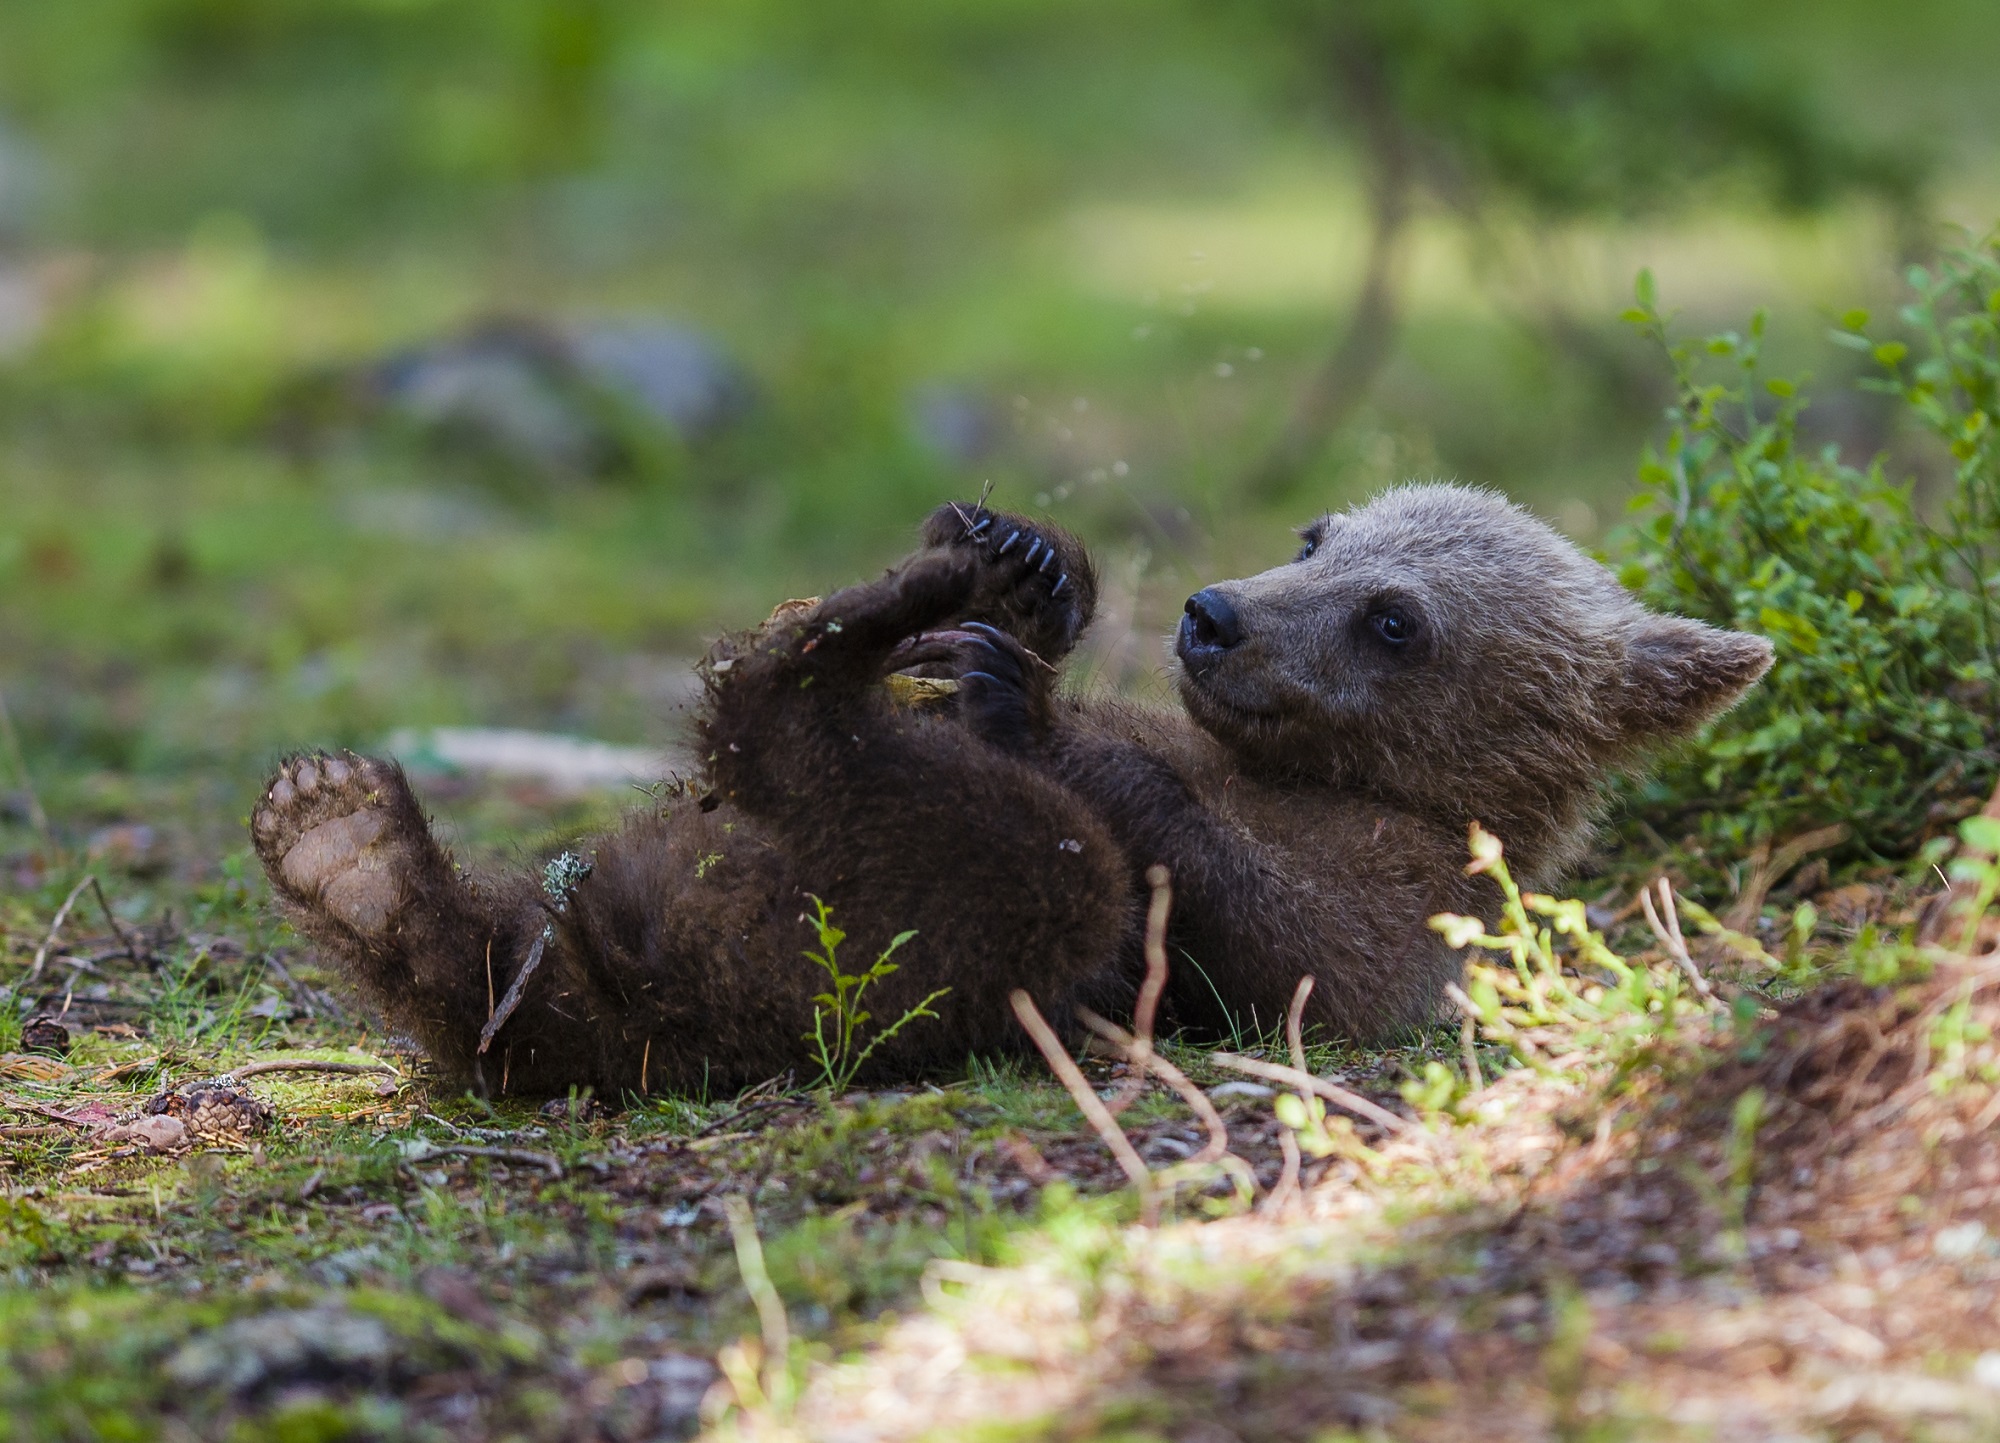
(1441, 648)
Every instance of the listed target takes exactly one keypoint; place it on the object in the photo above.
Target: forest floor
(1766, 1218)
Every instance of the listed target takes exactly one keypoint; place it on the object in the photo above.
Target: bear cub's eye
(1392, 627)
(1311, 536)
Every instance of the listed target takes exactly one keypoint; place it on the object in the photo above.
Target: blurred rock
(676, 375)
(291, 1345)
(561, 763)
(564, 399)
(45, 1034)
(503, 388)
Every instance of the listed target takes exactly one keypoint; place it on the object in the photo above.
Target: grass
(193, 578)
(515, 1299)
(395, 1259)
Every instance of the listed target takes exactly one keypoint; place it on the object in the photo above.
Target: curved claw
(973, 531)
(1047, 561)
(1062, 582)
(1034, 549)
(1008, 544)
(982, 628)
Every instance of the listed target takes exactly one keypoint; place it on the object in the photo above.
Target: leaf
(1982, 833)
(1643, 289)
(1890, 352)
(1855, 320)
(1457, 931)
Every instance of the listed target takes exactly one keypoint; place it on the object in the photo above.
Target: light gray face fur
(1441, 637)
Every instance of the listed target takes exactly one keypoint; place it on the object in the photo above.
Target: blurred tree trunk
(1334, 392)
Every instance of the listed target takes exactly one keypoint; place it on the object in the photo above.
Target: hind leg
(348, 849)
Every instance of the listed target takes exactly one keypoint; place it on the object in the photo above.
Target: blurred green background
(369, 364)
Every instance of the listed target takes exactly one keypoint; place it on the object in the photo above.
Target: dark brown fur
(1311, 804)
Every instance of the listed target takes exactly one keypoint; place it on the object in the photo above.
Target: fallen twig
(1150, 1061)
(1147, 1008)
(117, 927)
(776, 1384)
(307, 1064)
(21, 1105)
(514, 991)
(1286, 1190)
(1299, 1078)
(62, 912)
(312, 999)
(127, 1069)
(547, 1161)
(1669, 933)
(1093, 1108)
(1769, 867)
(1468, 1050)
(767, 1105)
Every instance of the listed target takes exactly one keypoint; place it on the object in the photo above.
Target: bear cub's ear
(1679, 673)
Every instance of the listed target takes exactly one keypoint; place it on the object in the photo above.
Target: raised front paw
(1039, 585)
(332, 832)
(1003, 688)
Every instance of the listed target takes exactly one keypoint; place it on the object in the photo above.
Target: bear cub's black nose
(1212, 623)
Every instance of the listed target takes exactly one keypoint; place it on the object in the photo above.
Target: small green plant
(1879, 711)
(838, 1016)
(1565, 993)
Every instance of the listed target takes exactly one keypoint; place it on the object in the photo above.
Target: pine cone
(44, 1034)
(216, 1110)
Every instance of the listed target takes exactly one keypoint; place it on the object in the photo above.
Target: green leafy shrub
(1880, 708)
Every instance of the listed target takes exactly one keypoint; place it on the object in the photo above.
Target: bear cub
(1434, 657)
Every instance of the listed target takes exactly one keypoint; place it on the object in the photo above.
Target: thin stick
(1158, 878)
(1197, 1100)
(1669, 934)
(1295, 1039)
(18, 1105)
(42, 952)
(37, 818)
(1148, 1006)
(117, 927)
(1087, 1100)
(489, 977)
(544, 1160)
(645, 1061)
(1468, 1051)
(307, 1064)
(1286, 1192)
(727, 1124)
(772, 1321)
(1295, 1077)
(513, 997)
(1295, 1015)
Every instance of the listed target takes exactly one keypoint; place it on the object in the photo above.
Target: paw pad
(327, 841)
